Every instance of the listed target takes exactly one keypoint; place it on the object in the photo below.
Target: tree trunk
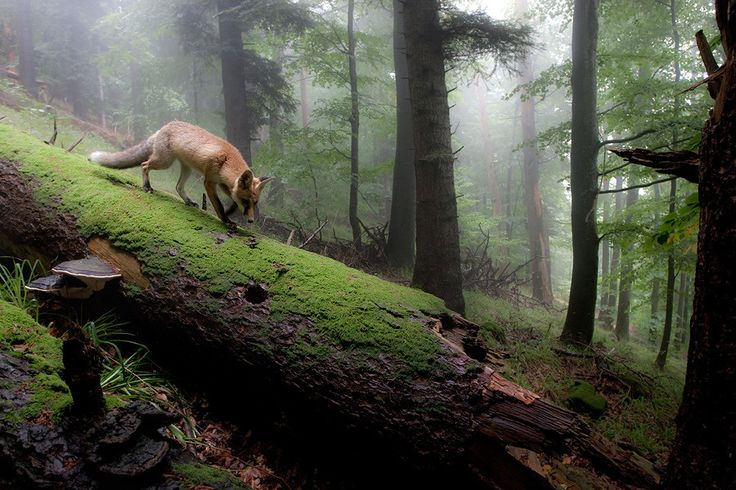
(402, 223)
(354, 128)
(627, 270)
(237, 123)
(704, 449)
(537, 237)
(351, 354)
(656, 282)
(614, 272)
(670, 292)
(681, 298)
(605, 256)
(437, 267)
(137, 98)
(26, 58)
(580, 319)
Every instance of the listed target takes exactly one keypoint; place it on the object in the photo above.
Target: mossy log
(251, 315)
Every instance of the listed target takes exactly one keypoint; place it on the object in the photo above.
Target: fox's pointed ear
(246, 179)
(263, 180)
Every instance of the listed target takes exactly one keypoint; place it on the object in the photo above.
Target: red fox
(218, 161)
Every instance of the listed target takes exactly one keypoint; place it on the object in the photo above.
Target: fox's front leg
(211, 190)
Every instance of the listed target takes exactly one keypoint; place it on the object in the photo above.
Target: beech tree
(430, 44)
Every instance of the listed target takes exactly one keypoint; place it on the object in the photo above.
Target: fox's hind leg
(154, 162)
(186, 171)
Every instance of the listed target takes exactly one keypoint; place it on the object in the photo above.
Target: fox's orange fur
(218, 161)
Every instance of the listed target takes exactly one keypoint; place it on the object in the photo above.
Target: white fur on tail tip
(95, 156)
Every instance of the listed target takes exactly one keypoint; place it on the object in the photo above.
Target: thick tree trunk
(437, 267)
(402, 224)
(580, 319)
(341, 348)
(237, 123)
(627, 270)
(26, 58)
(354, 128)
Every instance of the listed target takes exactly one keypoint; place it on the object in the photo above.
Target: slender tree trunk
(137, 101)
(680, 332)
(670, 291)
(437, 267)
(537, 238)
(614, 272)
(493, 190)
(26, 58)
(627, 270)
(402, 224)
(354, 128)
(656, 284)
(605, 255)
(101, 92)
(237, 123)
(304, 106)
(8, 41)
(580, 319)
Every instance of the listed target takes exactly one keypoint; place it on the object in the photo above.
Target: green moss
(29, 340)
(348, 307)
(583, 397)
(196, 474)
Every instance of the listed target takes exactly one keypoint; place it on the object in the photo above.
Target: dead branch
(679, 163)
(71, 148)
(319, 228)
(52, 140)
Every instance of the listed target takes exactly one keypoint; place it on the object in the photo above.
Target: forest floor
(641, 401)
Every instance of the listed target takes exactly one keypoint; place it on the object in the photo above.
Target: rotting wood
(371, 396)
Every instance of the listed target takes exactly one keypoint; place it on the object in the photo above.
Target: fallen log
(250, 315)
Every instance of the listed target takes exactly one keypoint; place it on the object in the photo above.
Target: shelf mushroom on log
(351, 352)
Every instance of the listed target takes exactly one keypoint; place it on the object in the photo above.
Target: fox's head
(247, 191)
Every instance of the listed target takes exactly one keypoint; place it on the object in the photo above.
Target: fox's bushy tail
(131, 157)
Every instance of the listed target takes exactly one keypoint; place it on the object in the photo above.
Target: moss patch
(349, 308)
(197, 474)
(22, 337)
(583, 397)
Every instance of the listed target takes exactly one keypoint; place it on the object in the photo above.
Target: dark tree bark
(536, 233)
(402, 224)
(704, 449)
(26, 58)
(354, 128)
(437, 267)
(580, 319)
(626, 279)
(237, 123)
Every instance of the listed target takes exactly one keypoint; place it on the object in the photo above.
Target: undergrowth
(642, 400)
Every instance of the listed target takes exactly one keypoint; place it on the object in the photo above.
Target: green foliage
(197, 475)
(14, 277)
(682, 224)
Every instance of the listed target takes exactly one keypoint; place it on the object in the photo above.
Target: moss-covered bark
(254, 318)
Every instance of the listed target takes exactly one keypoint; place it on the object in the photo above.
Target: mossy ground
(22, 337)
(349, 308)
(642, 401)
(198, 475)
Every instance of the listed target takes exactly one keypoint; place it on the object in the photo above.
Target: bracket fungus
(76, 279)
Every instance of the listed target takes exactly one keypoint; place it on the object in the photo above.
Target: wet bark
(580, 319)
(402, 224)
(375, 401)
(437, 266)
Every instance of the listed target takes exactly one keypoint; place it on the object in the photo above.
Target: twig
(2, 117)
(52, 141)
(313, 235)
(626, 140)
(76, 143)
(291, 237)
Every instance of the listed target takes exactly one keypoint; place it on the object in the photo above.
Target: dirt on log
(251, 317)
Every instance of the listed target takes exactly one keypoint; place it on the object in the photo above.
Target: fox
(195, 148)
